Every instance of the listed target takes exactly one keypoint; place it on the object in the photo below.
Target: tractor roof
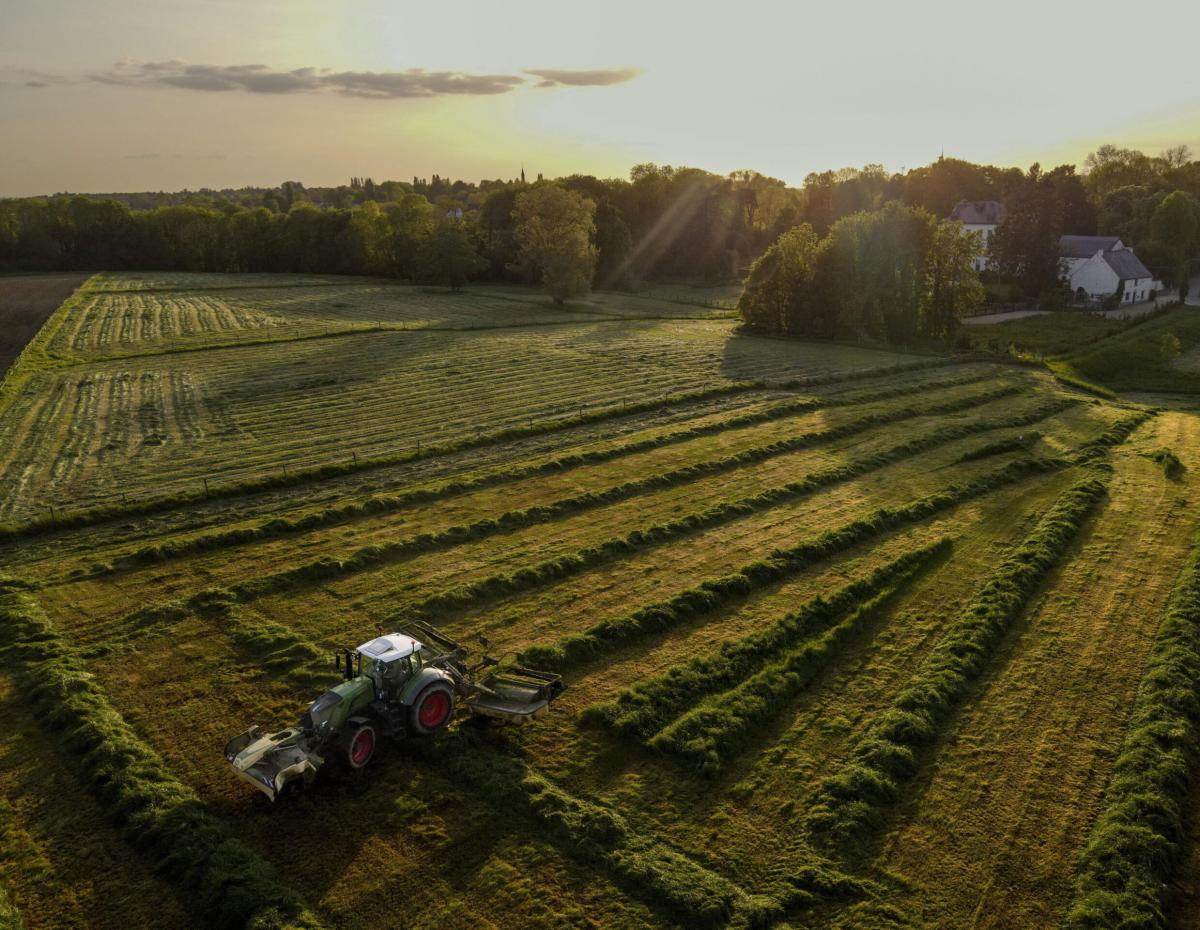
(390, 647)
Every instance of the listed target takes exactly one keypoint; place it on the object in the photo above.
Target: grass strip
(63, 519)
(382, 504)
(1020, 443)
(697, 896)
(226, 880)
(380, 554)
(1127, 868)
(710, 595)
(715, 731)
(647, 706)
(851, 803)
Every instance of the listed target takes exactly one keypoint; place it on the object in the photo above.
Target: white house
(1100, 266)
(980, 216)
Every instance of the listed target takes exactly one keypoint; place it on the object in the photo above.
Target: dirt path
(990, 836)
(26, 301)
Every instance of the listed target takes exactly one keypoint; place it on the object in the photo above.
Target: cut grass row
(708, 736)
(372, 556)
(384, 504)
(1126, 869)
(646, 707)
(304, 475)
(227, 881)
(607, 635)
(851, 803)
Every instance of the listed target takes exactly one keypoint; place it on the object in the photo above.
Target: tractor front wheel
(361, 746)
(433, 709)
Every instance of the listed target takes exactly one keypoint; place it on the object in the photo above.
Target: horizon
(225, 94)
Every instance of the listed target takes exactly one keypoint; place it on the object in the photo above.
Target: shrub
(1127, 868)
(850, 803)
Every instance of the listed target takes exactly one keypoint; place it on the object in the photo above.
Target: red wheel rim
(434, 710)
(360, 749)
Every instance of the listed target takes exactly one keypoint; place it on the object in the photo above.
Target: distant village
(1097, 268)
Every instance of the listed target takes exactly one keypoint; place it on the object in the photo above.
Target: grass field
(851, 639)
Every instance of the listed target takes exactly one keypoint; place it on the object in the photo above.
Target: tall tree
(1026, 245)
(952, 286)
(1176, 226)
(554, 229)
(778, 291)
(448, 257)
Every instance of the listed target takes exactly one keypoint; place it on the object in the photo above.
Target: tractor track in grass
(989, 838)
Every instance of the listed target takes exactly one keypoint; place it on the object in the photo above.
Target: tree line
(659, 223)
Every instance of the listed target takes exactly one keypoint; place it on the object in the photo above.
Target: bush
(851, 803)
(1136, 845)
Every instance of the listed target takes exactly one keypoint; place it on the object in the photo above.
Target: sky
(118, 95)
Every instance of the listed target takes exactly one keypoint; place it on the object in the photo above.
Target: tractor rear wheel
(360, 748)
(432, 709)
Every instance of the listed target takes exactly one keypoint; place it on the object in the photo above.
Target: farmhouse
(1100, 266)
(980, 216)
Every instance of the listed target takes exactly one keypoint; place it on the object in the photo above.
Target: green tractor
(394, 686)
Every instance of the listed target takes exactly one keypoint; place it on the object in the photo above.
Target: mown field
(851, 639)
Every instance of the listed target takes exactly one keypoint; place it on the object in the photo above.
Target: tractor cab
(391, 662)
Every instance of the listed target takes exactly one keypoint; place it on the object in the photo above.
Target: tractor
(395, 686)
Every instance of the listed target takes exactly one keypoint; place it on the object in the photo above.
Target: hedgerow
(305, 475)
(227, 881)
(645, 707)
(852, 802)
(710, 595)
(720, 727)
(1136, 845)
(383, 504)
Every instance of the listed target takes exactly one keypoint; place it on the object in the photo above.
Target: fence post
(285, 469)
(355, 454)
(53, 518)
(205, 480)
(418, 448)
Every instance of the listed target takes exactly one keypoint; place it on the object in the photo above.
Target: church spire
(522, 172)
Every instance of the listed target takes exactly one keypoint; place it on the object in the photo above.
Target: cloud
(381, 85)
(145, 156)
(260, 79)
(563, 77)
